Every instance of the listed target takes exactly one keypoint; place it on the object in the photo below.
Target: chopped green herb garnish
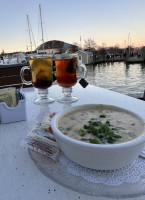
(82, 132)
(132, 135)
(84, 139)
(103, 132)
(108, 122)
(102, 116)
(86, 127)
(94, 141)
(68, 129)
(92, 118)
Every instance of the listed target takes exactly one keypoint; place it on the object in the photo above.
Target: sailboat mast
(41, 28)
(29, 32)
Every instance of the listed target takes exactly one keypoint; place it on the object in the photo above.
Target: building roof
(55, 44)
(85, 52)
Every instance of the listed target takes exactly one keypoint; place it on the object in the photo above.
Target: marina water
(128, 79)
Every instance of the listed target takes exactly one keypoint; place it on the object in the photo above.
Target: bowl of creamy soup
(99, 136)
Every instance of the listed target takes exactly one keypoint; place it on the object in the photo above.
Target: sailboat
(31, 36)
(16, 59)
(41, 28)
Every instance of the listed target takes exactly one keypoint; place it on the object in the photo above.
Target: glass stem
(43, 93)
(67, 93)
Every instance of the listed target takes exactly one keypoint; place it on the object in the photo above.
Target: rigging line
(29, 32)
(41, 28)
(33, 36)
(46, 32)
(38, 32)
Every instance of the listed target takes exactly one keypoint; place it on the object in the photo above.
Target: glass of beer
(66, 75)
(42, 77)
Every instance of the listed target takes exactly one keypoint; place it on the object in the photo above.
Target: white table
(20, 179)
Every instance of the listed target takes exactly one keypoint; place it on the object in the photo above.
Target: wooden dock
(10, 77)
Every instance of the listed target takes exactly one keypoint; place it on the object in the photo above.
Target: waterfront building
(85, 57)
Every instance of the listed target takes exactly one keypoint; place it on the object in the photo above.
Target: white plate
(58, 173)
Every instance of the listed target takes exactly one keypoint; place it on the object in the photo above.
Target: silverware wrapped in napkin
(41, 139)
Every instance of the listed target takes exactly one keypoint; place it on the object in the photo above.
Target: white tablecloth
(19, 177)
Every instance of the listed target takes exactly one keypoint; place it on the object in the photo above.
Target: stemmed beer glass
(66, 74)
(41, 68)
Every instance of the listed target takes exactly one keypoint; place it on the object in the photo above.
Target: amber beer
(66, 72)
(41, 70)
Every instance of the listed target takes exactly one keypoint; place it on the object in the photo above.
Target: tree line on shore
(104, 52)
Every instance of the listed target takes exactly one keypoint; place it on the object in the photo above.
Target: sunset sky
(110, 22)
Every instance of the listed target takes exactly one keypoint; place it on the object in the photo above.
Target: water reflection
(124, 78)
(127, 70)
(143, 68)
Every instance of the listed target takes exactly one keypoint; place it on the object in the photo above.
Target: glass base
(67, 97)
(67, 100)
(43, 99)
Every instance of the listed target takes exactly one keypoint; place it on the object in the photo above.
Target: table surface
(20, 179)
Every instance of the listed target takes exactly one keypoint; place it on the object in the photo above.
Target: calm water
(124, 78)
